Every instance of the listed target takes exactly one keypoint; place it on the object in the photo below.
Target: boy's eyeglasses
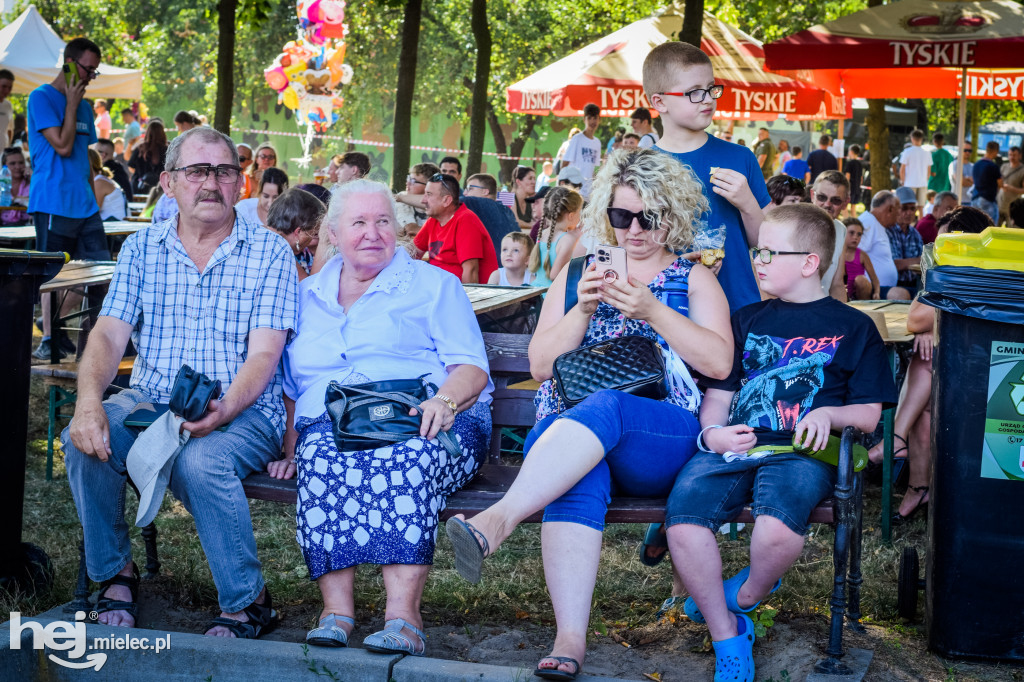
(766, 255)
(621, 219)
(198, 172)
(697, 96)
(822, 199)
(413, 180)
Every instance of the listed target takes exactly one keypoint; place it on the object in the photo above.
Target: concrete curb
(197, 657)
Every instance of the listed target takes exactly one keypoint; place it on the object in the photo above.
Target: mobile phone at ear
(611, 262)
(70, 75)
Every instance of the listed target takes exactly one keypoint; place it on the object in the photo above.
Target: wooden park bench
(513, 409)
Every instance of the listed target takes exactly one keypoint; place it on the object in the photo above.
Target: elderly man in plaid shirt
(213, 291)
(905, 241)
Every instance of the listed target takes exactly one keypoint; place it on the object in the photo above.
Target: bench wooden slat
(69, 370)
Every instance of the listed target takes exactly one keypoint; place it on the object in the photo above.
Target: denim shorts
(646, 443)
(787, 486)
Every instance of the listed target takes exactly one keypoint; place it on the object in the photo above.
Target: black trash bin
(22, 565)
(974, 583)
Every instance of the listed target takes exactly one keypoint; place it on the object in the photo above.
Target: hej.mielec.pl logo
(72, 638)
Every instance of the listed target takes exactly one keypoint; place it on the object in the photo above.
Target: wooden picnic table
(80, 273)
(27, 233)
(490, 297)
(136, 206)
(895, 314)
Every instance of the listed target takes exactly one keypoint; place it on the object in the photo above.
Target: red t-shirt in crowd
(927, 229)
(461, 239)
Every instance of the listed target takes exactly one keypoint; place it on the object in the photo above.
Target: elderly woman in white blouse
(372, 314)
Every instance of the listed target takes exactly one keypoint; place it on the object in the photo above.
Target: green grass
(627, 593)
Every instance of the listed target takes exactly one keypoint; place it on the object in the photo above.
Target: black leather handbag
(367, 416)
(632, 364)
(191, 393)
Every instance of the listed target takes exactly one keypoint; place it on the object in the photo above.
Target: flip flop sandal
(470, 548)
(732, 587)
(654, 538)
(734, 657)
(104, 604)
(262, 619)
(328, 632)
(391, 640)
(555, 673)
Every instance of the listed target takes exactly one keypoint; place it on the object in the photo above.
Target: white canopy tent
(33, 52)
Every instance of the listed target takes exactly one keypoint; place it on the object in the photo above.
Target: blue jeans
(786, 486)
(989, 207)
(646, 443)
(207, 478)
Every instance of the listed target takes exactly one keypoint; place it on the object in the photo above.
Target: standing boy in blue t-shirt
(805, 365)
(680, 84)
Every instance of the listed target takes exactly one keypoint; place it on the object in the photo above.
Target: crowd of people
(284, 294)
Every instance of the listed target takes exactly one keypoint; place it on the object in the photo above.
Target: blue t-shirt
(736, 276)
(986, 178)
(61, 185)
(497, 218)
(796, 168)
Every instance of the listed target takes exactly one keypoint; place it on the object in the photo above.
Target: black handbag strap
(338, 408)
(572, 281)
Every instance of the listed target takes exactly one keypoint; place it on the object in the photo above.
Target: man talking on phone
(61, 200)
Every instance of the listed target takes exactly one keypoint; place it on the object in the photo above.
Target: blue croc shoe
(328, 632)
(732, 587)
(391, 640)
(734, 657)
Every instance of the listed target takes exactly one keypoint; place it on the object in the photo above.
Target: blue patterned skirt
(379, 506)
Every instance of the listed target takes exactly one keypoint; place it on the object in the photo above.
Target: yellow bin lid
(995, 248)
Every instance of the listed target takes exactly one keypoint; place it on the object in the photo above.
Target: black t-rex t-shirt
(792, 358)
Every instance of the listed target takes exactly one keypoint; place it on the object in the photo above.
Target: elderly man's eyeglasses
(766, 255)
(697, 96)
(198, 172)
(621, 219)
(822, 199)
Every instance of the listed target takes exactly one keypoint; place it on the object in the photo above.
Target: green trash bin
(974, 588)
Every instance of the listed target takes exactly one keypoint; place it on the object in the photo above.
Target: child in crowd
(930, 206)
(14, 159)
(680, 84)
(861, 280)
(516, 248)
(562, 210)
(796, 167)
(805, 365)
(854, 173)
(785, 190)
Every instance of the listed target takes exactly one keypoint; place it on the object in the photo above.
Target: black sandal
(104, 604)
(262, 619)
(922, 505)
(555, 673)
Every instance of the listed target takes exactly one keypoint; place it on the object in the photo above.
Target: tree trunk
(225, 65)
(976, 149)
(693, 22)
(478, 113)
(404, 92)
(878, 143)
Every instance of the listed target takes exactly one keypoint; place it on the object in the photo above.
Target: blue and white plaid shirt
(905, 245)
(181, 316)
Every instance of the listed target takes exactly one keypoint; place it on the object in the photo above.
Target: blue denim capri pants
(646, 443)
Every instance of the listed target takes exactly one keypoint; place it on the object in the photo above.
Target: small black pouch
(192, 393)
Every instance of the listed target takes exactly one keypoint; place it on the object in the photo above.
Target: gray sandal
(328, 632)
(391, 640)
(470, 548)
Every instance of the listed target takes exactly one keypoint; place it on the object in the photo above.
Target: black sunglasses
(621, 219)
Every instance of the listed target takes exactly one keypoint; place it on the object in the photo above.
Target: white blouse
(414, 319)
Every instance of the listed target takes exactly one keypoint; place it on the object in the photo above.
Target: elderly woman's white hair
(341, 194)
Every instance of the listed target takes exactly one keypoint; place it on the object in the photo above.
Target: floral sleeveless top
(608, 323)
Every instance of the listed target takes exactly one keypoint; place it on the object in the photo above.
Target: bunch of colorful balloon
(310, 71)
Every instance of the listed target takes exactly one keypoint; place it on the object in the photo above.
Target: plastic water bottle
(5, 186)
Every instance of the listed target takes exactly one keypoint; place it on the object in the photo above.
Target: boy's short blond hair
(664, 61)
(813, 229)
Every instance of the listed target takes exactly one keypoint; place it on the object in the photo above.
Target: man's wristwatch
(448, 401)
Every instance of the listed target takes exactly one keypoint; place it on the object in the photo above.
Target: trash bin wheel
(908, 584)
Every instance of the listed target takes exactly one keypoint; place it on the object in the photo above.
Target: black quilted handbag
(632, 364)
(368, 416)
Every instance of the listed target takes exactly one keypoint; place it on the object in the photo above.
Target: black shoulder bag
(367, 416)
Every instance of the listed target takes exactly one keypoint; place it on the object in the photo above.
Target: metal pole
(960, 135)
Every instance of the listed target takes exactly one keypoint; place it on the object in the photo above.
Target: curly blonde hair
(672, 197)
